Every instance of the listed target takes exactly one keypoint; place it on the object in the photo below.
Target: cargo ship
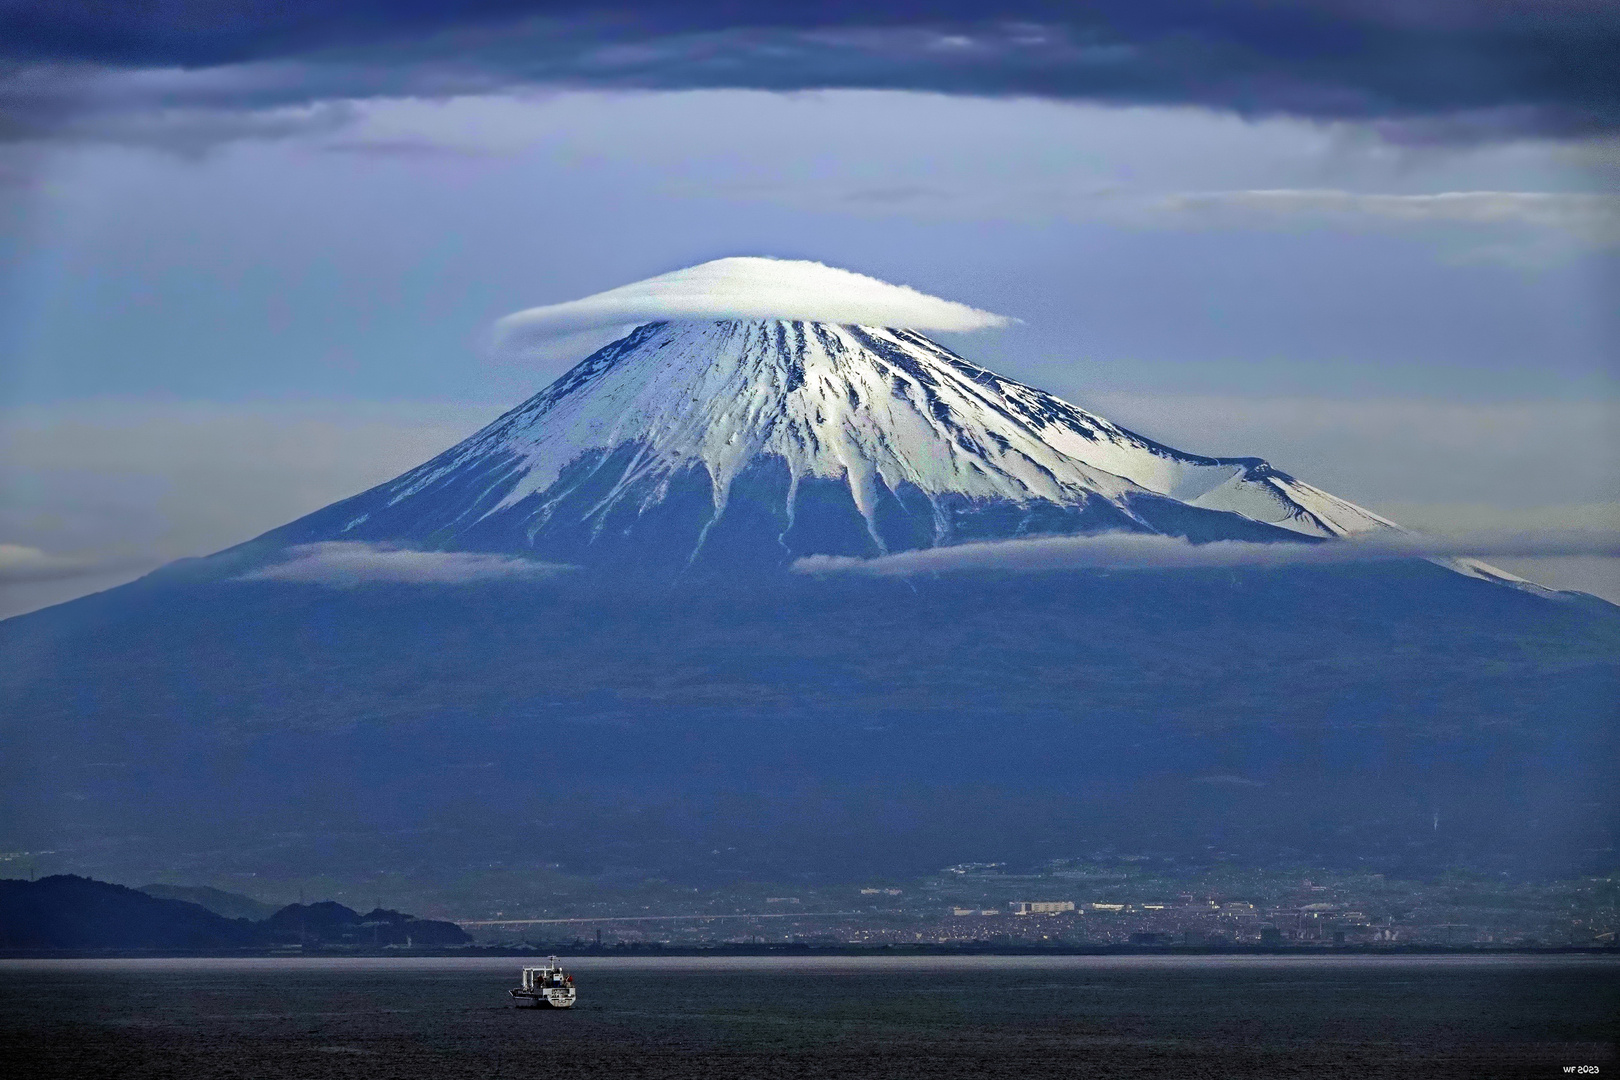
(548, 986)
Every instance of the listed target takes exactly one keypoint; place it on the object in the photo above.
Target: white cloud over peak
(346, 564)
(749, 288)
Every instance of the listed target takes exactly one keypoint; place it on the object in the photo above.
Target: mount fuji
(755, 443)
(576, 638)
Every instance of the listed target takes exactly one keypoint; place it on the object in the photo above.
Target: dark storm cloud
(1446, 69)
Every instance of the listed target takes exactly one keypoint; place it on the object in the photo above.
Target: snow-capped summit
(767, 410)
(750, 442)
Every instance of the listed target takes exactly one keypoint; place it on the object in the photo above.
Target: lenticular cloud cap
(751, 288)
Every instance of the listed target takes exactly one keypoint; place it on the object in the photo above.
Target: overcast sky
(250, 262)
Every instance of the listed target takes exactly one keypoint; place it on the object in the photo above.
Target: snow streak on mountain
(750, 442)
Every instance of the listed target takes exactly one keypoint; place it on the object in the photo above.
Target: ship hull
(552, 998)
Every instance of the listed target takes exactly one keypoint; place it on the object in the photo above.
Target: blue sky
(238, 286)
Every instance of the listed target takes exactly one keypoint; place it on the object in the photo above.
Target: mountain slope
(826, 726)
(798, 724)
(768, 440)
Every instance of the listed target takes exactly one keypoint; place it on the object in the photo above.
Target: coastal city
(1122, 901)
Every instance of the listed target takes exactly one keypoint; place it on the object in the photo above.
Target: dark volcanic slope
(816, 726)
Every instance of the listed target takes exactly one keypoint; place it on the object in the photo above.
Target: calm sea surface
(966, 1018)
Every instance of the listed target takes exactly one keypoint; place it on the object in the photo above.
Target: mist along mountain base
(576, 638)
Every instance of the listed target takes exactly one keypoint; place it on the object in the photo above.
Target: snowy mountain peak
(869, 407)
(761, 441)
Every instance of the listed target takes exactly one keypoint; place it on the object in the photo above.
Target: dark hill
(334, 924)
(69, 912)
(229, 904)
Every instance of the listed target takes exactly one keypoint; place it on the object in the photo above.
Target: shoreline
(638, 950)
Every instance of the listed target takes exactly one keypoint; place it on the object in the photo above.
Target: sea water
(718, 1017)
